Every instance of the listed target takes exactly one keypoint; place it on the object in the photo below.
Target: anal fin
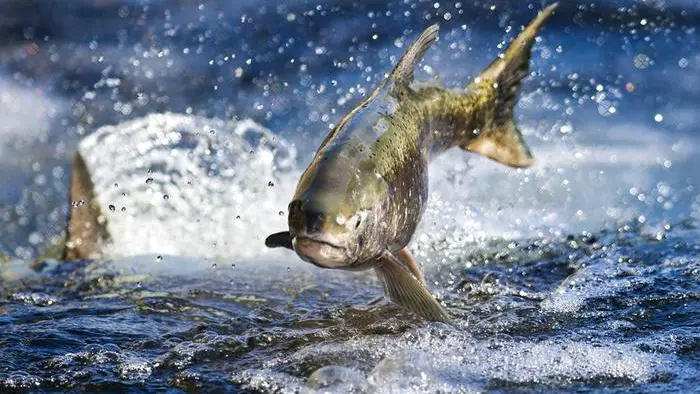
(405, 290)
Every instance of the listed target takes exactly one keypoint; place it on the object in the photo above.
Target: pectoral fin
(405, 290)
(407, 259)
(282, 239)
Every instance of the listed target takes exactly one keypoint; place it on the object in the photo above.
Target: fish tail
(498, 85)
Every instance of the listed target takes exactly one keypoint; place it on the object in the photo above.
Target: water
(581, 274)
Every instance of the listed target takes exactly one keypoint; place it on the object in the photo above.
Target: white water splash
(190, 186)
(429, 360)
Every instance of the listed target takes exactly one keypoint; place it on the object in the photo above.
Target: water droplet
(123, 209)
(112, 208)
(658, 118)
(289, 269)
(116, 184)
(159, 259)
(166, 197)
(233, 266)
(238, 216)
(270, 183)
(252, 152)
(212, 132)
(281, 213)
(138, 284)
(642, 61)
(149, 171)
(149, 180)
(213, 266)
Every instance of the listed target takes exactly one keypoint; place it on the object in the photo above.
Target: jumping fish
(360, 200)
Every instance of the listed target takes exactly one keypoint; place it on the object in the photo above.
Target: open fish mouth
(321, 251)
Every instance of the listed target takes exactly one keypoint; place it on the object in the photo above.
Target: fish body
(362, 196)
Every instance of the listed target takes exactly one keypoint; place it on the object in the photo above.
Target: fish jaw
(321, 250)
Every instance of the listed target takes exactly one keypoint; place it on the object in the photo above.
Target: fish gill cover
(580, 274)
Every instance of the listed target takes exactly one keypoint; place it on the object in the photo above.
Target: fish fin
(500, 139)
(405, 290)
(504, 144)
(86, 230)
(282, 239)
(402, 74)
(403, 71)
(404, 255)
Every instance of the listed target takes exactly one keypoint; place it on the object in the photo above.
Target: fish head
(334, 217)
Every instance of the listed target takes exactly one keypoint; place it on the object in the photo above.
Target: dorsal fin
(403, 71)
(402, 74)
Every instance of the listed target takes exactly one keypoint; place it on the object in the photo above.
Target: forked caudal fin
(500, 138)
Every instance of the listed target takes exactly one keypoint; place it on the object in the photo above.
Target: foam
(108, 359)
(430, 359)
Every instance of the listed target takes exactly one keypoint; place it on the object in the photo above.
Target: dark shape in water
(86, 230)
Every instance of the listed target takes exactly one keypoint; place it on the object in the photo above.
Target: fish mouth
(321, 250)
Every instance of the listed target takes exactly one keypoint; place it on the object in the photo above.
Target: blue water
(579, 275)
